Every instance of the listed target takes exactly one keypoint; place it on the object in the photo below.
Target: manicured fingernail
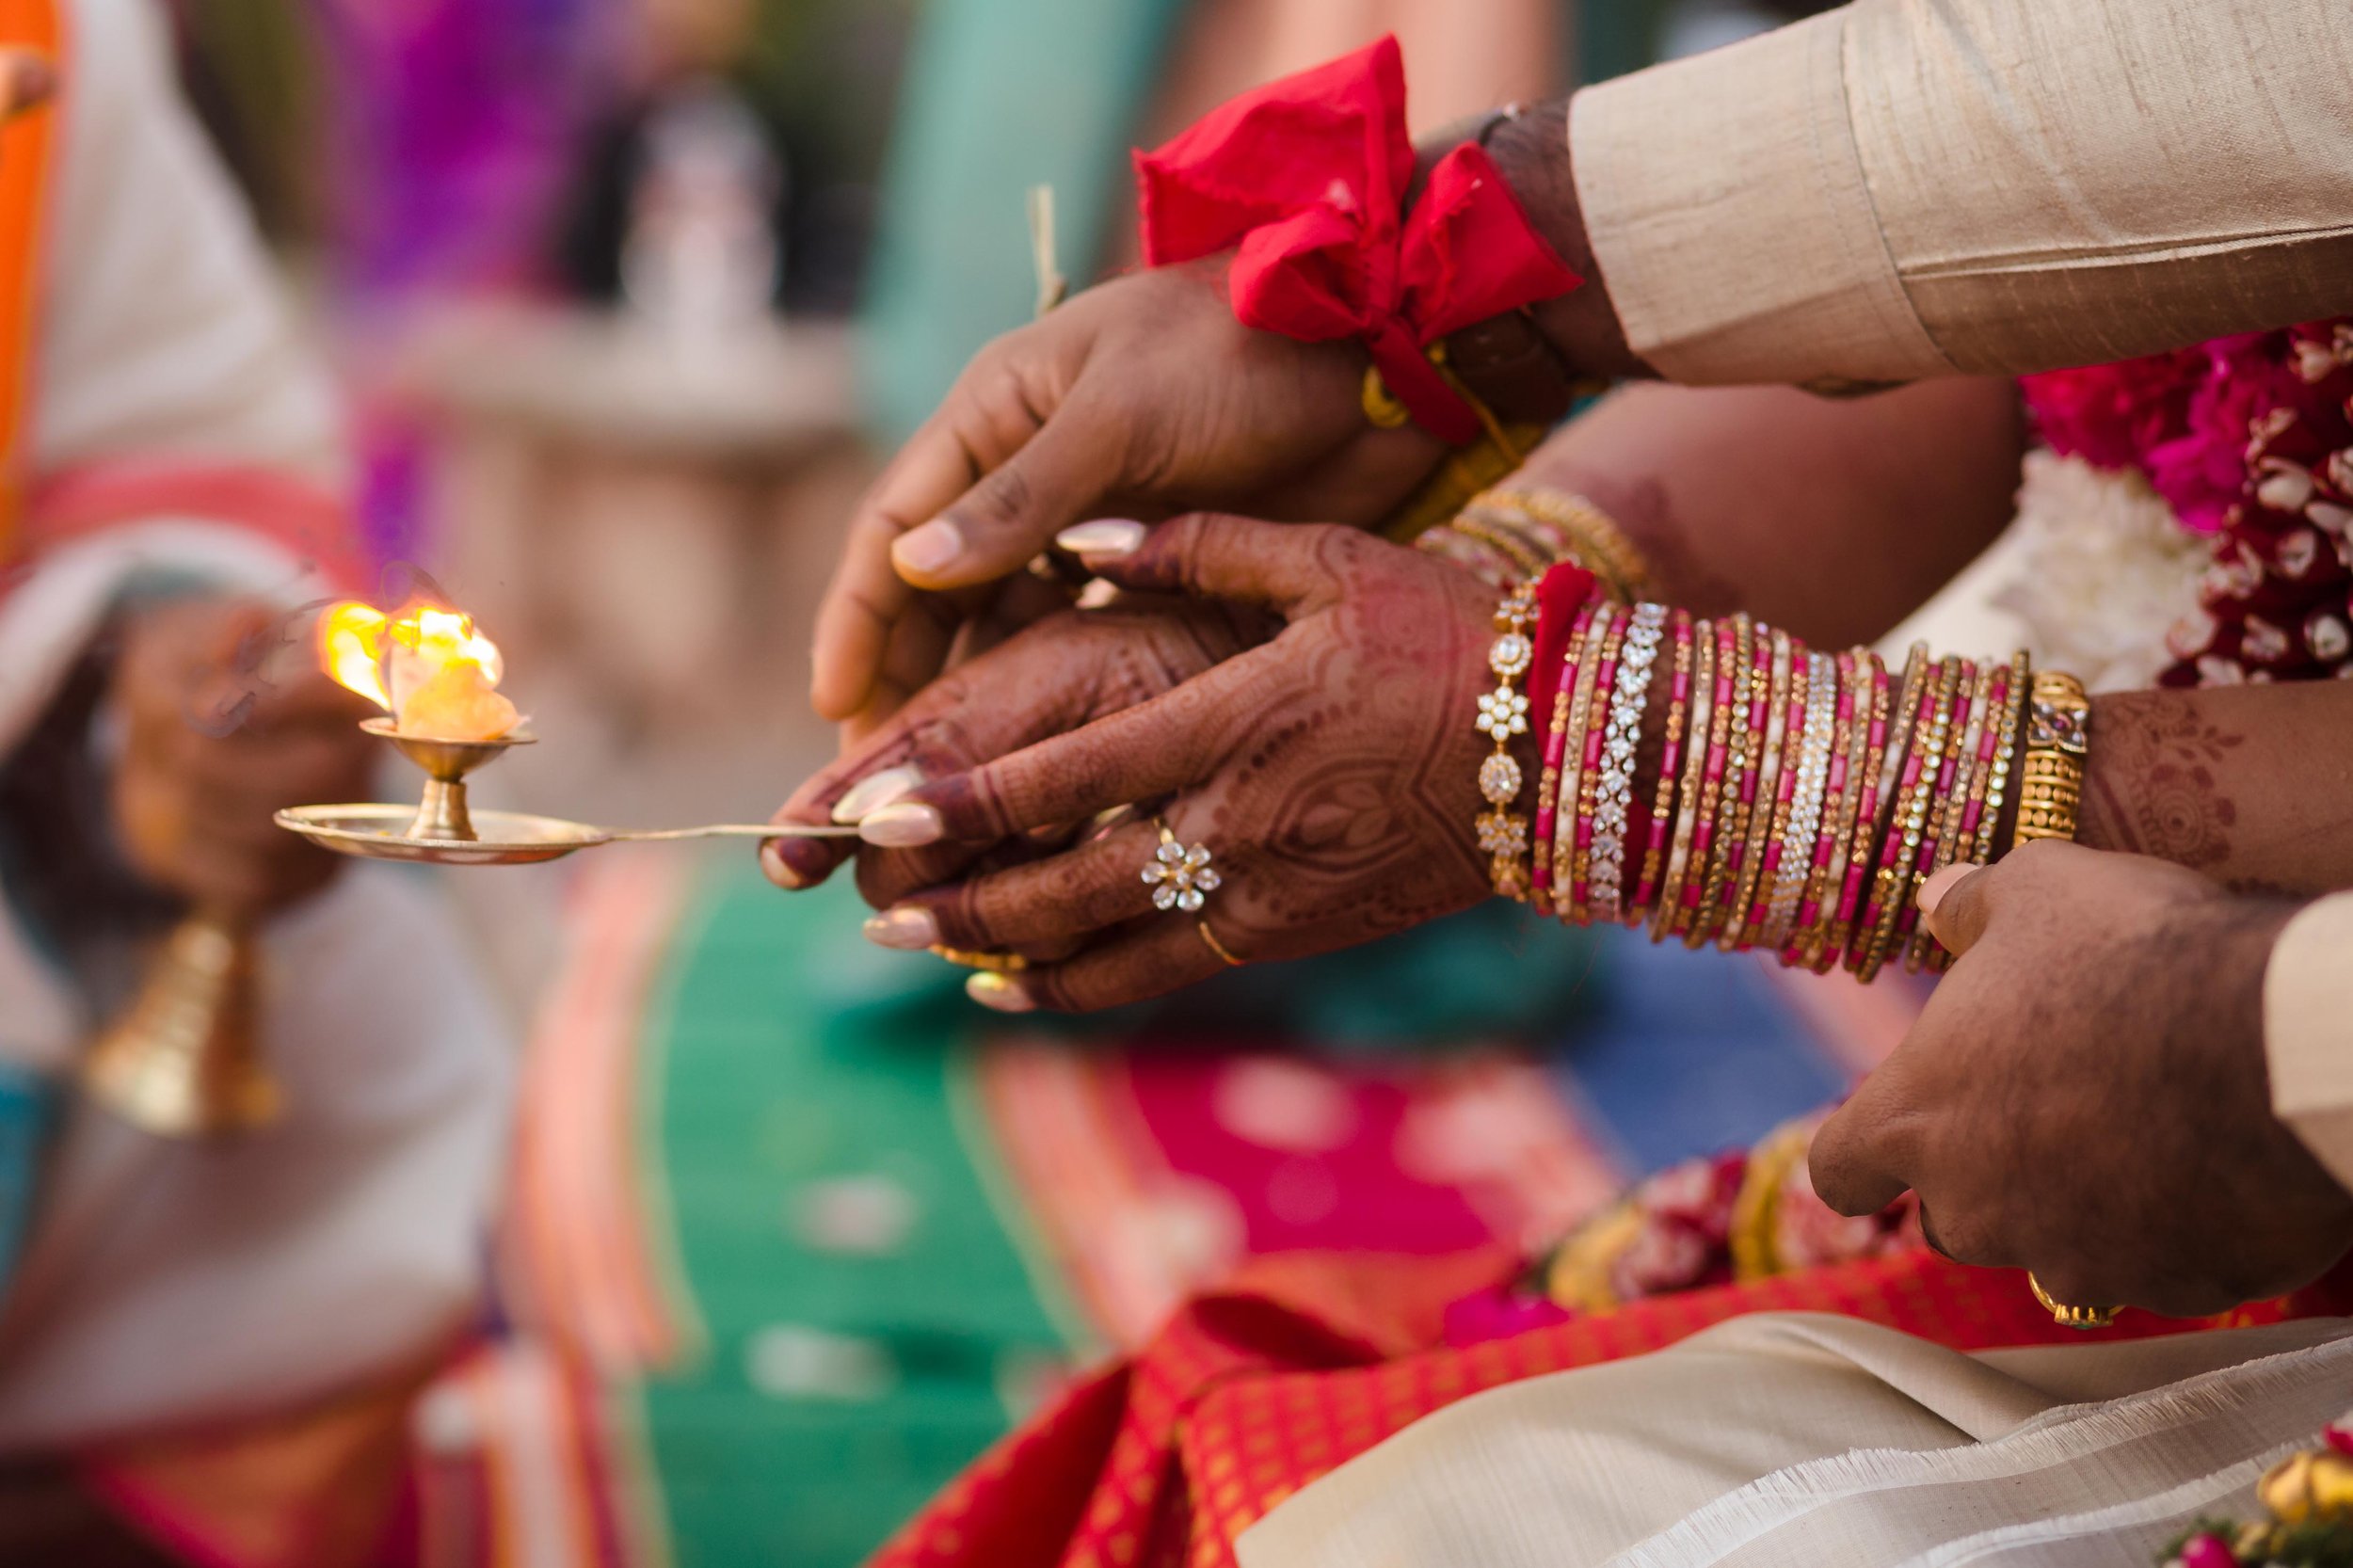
(931, 548)
(1932, 891)
(902, 827)
(1103, 536)
(877, 789)
(777, 868)
(998, 993)
(906, 928)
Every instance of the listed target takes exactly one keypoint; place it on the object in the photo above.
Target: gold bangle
(1527, 557)
(1667, 920)
(1662, 810)
(1894, 879)
(2051, 783)
(1948, 813)
(1766, 810)
(1572, 786)
(1591, 536)
(1709, 919)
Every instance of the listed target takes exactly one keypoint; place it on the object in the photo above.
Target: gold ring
(2069, 1317)
(990, 963)
(1215, 946)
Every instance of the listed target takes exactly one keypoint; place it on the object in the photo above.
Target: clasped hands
(2086, 1094)
(1287, 696)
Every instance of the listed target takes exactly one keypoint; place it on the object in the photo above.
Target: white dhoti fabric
(1790, 1441)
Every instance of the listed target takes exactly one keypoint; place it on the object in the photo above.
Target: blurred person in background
(207, 1349)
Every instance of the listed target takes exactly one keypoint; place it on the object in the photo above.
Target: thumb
(991, 531)
(1852, 1158)
(1954, 905)
(1285, 567)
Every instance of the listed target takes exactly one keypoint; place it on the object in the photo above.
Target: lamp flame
(427, 666)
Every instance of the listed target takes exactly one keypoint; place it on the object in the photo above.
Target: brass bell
(182, 1060)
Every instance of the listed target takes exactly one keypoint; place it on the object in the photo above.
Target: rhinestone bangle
(1614, 798)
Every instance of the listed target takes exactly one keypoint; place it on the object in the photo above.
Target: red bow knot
(1306, 179)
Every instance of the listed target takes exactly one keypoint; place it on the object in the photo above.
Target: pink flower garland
(2249, 440)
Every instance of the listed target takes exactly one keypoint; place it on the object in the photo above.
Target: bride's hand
(1332, 773)
(1046, 679)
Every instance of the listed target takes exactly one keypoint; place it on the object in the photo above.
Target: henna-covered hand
(1051, 677)
(1330, 771)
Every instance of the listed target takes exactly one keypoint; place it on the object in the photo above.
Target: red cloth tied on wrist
(1560, 593)
(1305, 179)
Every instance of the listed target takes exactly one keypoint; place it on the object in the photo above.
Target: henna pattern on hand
(2154, 784)
(1345, 808)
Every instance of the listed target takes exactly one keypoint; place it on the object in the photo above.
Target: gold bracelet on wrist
(2051, 782)
(1503, 715)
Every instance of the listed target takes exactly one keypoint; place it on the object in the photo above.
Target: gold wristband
(2051, 779)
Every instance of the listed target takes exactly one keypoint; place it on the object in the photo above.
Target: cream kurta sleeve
(2308, 1031)
(1904, 188)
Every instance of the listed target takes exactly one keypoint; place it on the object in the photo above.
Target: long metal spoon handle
(733, 830)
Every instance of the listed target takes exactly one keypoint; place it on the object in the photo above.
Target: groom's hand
(1139, 398)
(2086, 1093)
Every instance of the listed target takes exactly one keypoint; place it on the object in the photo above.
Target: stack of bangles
(1802, 797)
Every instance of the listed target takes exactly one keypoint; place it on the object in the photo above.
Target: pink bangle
(1946, 737)
(1711, 786)
(1785, 714)
(1805, 774)
(1667, 916)
(1845, 736)
(1556, 740)
(1907, 762)
(1587, 652)
(1656, 843)
(1747, 767)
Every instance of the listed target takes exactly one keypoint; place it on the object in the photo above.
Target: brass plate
(381, 833)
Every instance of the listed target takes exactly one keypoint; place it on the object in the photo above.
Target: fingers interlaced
(993, 706)
(1137, 755)
(1047, 903)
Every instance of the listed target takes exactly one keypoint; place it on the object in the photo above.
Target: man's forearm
(1860, 198)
